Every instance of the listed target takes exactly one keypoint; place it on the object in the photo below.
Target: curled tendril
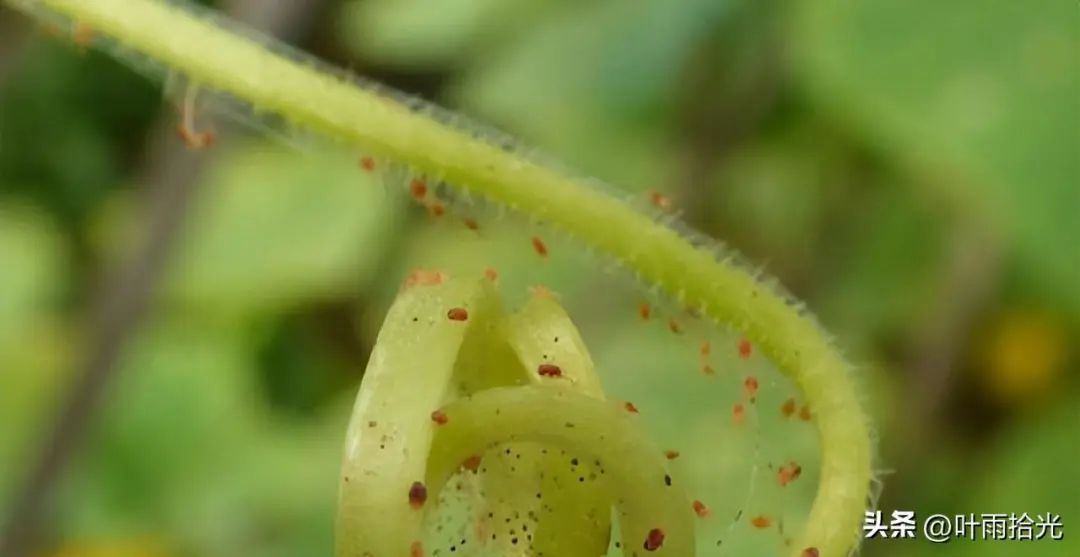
(453, 379)
(431, 368)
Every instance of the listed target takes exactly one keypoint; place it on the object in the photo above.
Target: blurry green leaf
(1028, 470)
(773, 200)
(179, 405)
(984, 95)
(431, 33)
(70, 120)
(596, 84)
(276, 227)
(896, 250)
(185, 451)
(31, 270)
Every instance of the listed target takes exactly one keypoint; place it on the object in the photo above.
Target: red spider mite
(659, 200)
(186, 128)
(700, 509)
(457, 314)
(438, 209)
(472, 463)
(418, 189)
(424, 277)
(675, 326)
(439, 417)
(416, 550)
(738, 413)
(192, 139)
(645, 311)
(654, 539)
(708, 369)
(750, 385)
(629, 406)
(788, 473)
(705, 349)
(541, 291)
(549, 370)
(82, 34)
(760, 522)
(811, 552)
(471, 223)
(491, 274)
(417, 495)
(788, 408)
(671, 454)
(745, 348)
(804, 414)
(367, 163)
(539, 246)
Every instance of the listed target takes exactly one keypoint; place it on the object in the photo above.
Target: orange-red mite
(745, 349)
(367, 163)
(539, 246)
(788, 409)
(660, 201)
(193, 139)
(549, 370)
(424, 277)
(700, 509)
(788, 473)
(674, 326)
(644, 311)
(630, 407)
(491, 274)
(82, 34)
(438, 209)
(417, 495)
(811, 552)
(750, 385)
(804, 414)
(418, 189)
(416, 550)
(457, 314)
(760, 521)
(654, 540)
(471, 224)
(472, 463)
(671, 454)
(738, 413)
(541, 291)
(439, 417)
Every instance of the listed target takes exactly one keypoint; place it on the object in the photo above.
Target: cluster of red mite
(654, 539)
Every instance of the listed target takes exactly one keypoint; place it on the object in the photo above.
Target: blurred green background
(909, 168)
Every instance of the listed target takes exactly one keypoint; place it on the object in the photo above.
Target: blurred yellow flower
(1022, 356)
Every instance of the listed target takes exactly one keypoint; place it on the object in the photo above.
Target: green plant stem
(215, 57)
